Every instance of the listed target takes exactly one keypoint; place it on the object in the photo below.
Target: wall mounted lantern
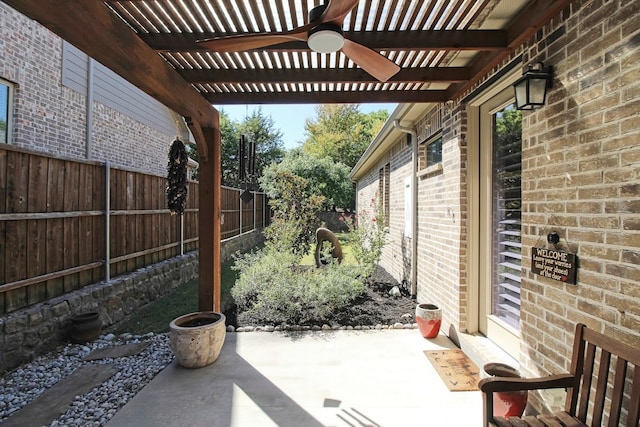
(531, 88)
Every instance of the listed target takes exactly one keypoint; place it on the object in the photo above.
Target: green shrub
(271, 289)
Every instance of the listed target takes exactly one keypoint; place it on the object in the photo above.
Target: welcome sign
(554, 264)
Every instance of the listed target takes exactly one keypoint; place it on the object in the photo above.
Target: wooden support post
(209, 287)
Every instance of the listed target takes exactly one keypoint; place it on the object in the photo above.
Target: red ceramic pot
(507, 404)
(429, 319)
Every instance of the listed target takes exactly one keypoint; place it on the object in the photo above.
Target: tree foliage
(295, 210)
(341, 132)
(260, 128)
(322, 175)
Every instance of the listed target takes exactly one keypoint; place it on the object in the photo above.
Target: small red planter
(507, 404)
(429, 319)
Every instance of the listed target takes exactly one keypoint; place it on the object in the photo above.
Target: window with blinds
(507, 205)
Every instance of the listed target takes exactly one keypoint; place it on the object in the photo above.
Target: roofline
(387, 136)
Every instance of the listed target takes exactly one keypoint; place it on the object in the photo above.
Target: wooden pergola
(441, 47)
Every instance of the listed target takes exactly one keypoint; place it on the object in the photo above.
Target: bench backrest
(606, 373)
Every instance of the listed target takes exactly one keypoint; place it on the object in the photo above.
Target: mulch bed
(375, 307)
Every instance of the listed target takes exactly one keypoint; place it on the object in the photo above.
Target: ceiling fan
(323, 34)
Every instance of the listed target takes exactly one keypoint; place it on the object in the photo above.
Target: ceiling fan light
(325, 41)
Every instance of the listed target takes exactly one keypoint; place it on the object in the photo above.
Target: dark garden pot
(429, 319)
(506, 404)
(85, 327)
(197, 338)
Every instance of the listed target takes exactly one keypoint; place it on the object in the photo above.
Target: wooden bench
(589, 372)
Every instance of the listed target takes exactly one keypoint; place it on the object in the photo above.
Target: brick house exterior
(580, 177)
(49, 89)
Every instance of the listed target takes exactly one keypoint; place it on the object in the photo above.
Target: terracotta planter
(197, 338)
(429, 319)
(85, 328)
(506, 404)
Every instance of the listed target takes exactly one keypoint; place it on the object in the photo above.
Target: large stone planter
(197, 338)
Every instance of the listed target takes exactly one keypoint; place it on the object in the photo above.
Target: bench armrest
(488, 386)
(499, 384)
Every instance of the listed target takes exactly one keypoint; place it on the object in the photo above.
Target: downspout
(414, 205)
(89, 110)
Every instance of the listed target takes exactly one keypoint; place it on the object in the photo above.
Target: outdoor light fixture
(325, 38)
(531, 88)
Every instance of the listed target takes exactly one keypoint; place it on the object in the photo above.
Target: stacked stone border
(35, 330)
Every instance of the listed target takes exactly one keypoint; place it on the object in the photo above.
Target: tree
(269, 146)
(294, 220)
(341, 132)
(323, 177)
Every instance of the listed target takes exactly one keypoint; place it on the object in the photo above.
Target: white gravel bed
(22, 385)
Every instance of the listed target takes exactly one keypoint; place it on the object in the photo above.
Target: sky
(290, 119)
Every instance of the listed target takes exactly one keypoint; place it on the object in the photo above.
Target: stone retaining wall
(40, 328)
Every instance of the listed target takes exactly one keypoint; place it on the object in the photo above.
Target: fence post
(254, 211)
(107, 220)
(182, 234)
(240, 206)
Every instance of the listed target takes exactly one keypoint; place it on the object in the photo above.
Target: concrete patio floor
(299, 379)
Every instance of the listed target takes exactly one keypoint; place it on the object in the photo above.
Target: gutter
(414, 204)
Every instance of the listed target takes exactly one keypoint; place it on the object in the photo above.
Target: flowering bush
(367, 235)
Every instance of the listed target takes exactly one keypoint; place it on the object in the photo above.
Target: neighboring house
(56, 100)
(485, 199)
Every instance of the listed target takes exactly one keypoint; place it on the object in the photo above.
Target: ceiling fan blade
(244, 42)
(369, 60)
(337, 10)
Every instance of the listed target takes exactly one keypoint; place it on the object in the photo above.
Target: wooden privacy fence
(62, 227)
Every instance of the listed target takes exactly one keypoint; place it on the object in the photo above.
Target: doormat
(457, 371)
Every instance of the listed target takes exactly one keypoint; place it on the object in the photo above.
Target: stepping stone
(57, 399)
(116, 351)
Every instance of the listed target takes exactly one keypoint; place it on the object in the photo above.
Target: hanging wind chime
(247, 165)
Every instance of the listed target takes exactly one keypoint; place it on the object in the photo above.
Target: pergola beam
(348, 75)
(332, 97)
(478, 40)
(522, 28)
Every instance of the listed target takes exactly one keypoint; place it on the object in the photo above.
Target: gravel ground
(22, 385)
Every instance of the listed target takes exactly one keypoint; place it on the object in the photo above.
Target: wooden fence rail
(62, 227)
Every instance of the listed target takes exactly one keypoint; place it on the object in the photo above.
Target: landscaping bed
(376, 307)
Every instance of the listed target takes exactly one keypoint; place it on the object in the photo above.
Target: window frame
(9, 102)
(425, 169)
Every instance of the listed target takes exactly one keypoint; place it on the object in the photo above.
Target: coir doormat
(457, 371)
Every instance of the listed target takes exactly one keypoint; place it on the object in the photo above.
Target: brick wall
(51, 118)
(441, 244)
(581, 178)
(441, 271)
